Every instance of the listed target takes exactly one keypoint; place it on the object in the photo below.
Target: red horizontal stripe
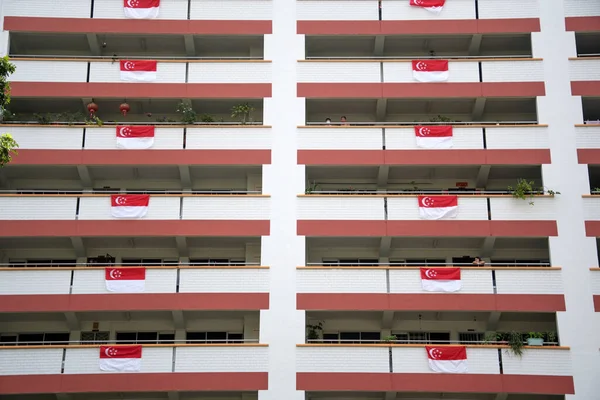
(155, 382)
(142, 157)
(157, 228)
(429, 302)
(134, 302)
(588, 156)
(420, 90)
(592, 228)
(585, 88)
(583, 24)
(155, 27)
(447, 228)
(469, 26)
(597, 303)
(455, 383)
(141, 90)
(424, 157)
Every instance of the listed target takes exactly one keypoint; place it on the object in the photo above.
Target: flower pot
(535, 341)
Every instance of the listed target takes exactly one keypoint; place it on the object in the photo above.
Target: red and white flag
(135, 137)
(141, 9)
(138, 70)
(125, 280)
(430, 70)
(129, 205)
(447, 359)
(435, 6)
(434, 137)
(121, 358)
(438, 207)
(442, 279)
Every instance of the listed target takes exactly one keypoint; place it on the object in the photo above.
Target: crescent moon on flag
(427, 273)
(120, 201)
(124, 132)
(112, 274)
(427, 201)
(421, 66)
(431, 353)
(130, 3)
(128, 64)
(423, 131)
(107, 351)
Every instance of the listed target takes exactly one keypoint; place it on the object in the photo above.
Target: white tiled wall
(92, 281)
(588, 137)
(87, 360)
(349, 10)
(226, 208)
(224, 280)
(409, 281)
(584, 70)
(228, 138)
(458, 71)
(222, 359)
(407, 208)
(49, 71)
(540, 281)
(113, 9)
(414, 360)
(494, 9)
(512, 71)
(228, 72)
(339, 72)
(595, 281)
(538, 362)
(105, 139)
(173, 72)
(232, 9)
(42, 208)
(517, 138)
(401, 10)
(48, 138)
(158, 208)
(511, 209)
(340, 208)
(30, 361)
(39, 8)
(591, 208)
(342, 359)
(404, 139)
(340, 138)
(30, 281)
(581, 8)
(341, 281)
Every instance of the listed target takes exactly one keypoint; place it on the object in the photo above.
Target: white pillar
(281, 326)
(572, 250)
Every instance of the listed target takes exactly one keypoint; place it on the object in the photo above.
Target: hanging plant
(523, 190)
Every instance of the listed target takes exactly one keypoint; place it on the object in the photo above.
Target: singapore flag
(434, 6)
(438, 207)
(441, 279)
(447, 359)
(430, 70)
(121, 358)
(434, 137)
(135, 137)
(129, 205)
(141, 9)
(138, 70)
(125, 280)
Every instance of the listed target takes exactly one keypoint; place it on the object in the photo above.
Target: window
(422, 262)
(423, 337)
(352, 337)
(218, 261)
(351, 262)
(102, 260)
(42, 263)
(94, 337)
(141, 262)
(145, 337)
(32, 339)
(520, 263)
(470, 337)
(214, 337)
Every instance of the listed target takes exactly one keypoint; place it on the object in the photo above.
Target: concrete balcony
(405, 367)
(400, 71)
(107, 71)
(90, 280)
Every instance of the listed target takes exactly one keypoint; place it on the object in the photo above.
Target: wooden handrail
(407, 60)
(81, 268)
(87, 346)
(117, 59)
(412, 126)
(595, 269)
(478, 346)
(112, 125)
(587, 125)
(399, 267)
(109, 194)
(363, 194)
(584, 58)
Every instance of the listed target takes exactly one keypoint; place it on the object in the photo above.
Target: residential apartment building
(284, 199)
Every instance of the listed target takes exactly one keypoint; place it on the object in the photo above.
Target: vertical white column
(572, 250)
(282, 327)
(4, 43)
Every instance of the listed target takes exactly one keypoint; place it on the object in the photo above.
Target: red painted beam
(156, 27)
(597, 303)
(429, 302)
(585, 88)
(588, 156)
(134, 302)
(592, 228)
(583, 24)
(113, 383)
(120, 228)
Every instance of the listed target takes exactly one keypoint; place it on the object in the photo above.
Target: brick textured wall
(508, 208)
(224, 208)
(341, 281)
(224, 281)
(224, 72)
(538, 362)
(494, 9)
(48, 138)
(228, 138)
(39, 8)
(49, 71)
(517, 138)
(232, 9)
(30, 361)
(588, 137)
(30, 281)
(39, 208)
(339, 72)
(529, 282)
(340, 208)
(350, 10)
(222, 359)
(342, 359)
(581, 8)
(512, 71)
(340, 139)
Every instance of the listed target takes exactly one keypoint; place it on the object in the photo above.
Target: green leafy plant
(94, 120)
(8, 116)
(441, 118)
(207, 118)
(389, 339)
(524, 190)
(44, 119)
(165, 119)
(7, 148)
(551, 338)
(71, 117)
(188, 115)
(6, 69)
(314, 331)
(515, 343)
(596, 190)
(242, 110)
(312, 187)
(536, 335)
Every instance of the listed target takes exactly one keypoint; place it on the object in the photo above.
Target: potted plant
(94, 120)
(242, 110)
(312, 187)
(535, 339)
(523, 190)
(551, 338)
(207, 118)
(515, 343)
(389, 339)
(43, 119)
(314, 331)
(188, 115)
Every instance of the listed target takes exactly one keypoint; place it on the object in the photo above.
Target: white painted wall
(40, 208)
(339, 72)
(49, 71)
(343, 10)
(409, 281)
(342, 359)
(414, 360)
(538, 362)
(405, 139)
(30, 281)
(493, 9)
(512, 71)
(222, 359)
(595, 282)
(581, 8)
(341, 281)
(505, 138)
(231, 9)
(584, 70)
(226, 208)
(39, 8)
(48, 138)
(228, 72)
(329, 138)
(224, 281)
(30, 361)
(540, 281)
(458, 71)
(511, 209)
(340, 208)
(588, 137)
(228, 138)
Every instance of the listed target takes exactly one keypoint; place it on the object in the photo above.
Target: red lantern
(124, 107)
(92, 108)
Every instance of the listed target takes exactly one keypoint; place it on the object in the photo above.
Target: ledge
(151, 194)
(412, 126)
(584, 58)
(478, 346)
(87, 346)
(135, 58)
(114, 124)
(444, 266)
(66, 268)
(587, 125)
(424, 194)
(397, 60)
(596, 269)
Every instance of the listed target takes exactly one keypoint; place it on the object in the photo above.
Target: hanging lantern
(92, 108)
(124, 107)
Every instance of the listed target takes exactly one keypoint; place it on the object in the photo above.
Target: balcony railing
(412, 358)
(587, 136)
(163, 279)
(84, 359)
(584, 68)
(389, 279)
(400, 70)
(591, 207)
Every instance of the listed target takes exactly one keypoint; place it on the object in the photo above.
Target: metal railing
(413, 123)
(125, 342)
(415, 342)
(132, 191)
(133, 123)
(414, 192)
(423, 57)
(416, 264)
(125, 57)
(165, 264)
